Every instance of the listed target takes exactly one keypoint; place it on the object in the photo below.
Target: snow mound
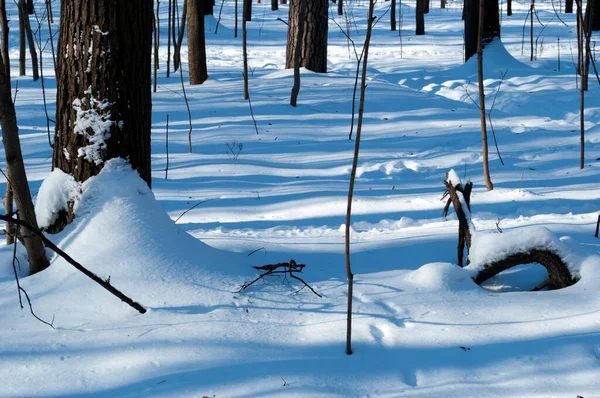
(440, 276)
(120, 231)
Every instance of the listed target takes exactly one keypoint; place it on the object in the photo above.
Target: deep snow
(422, 327)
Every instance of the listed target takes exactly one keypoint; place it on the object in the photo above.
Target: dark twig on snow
(191, 208)
(105, 284)
(287, 269)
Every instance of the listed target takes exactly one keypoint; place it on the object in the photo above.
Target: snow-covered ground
(422, 327)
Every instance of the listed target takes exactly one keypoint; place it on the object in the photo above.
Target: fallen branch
(287, 269)
(105, 284)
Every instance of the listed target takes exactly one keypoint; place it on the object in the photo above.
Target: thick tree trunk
(313, 54)
(592, 16)
(491, 24)
(17, 177)
(196, 42)
(426, 7)
(420, 15)
(247, 10)
(4, 39)
(274, 5)
(208, 6)
(114, 37)
(569, 7)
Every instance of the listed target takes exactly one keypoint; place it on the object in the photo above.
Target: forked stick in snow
(104, 283)
(287, 269)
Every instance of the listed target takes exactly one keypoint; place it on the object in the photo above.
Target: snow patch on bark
(93, 122)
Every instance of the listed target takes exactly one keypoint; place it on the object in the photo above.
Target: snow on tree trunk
(103, 97)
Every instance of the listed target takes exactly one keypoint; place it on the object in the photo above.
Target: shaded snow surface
(422, 328)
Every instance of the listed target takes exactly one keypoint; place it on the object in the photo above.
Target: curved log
(559, 275)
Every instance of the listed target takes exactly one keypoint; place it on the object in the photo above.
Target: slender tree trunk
(196, 42)
(274, 5)
(17, 176)
(8, 209)
(24, 16)
(119, 97)
(583, 85)
(314, 42)
(340, 7)
(509, 7)
(300, 34)
(443, 3)
(568, 6)
(426, 7)
(177, 49)
(531, 12)
(245, 50)
(361, 108)
(4, 39)
(420, 14)
(393, 15)
(22, 44)
(484, 142)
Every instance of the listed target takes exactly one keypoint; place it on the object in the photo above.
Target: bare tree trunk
(247, 10)
(196, 42)
(443, 3)
(17, 176)
(296, 87)
(24, 17)
(426, 7)
(568, 6)
(274, 5)
(361, 108)
(484, 142)
(509, 7)
(314, 42)
(49, 11)
(8, 197)
(244, 49)
(22, 44)
(420, 14)
(592, 16)
(583, 85)
(208, 6)
(177, 51)
(491, 25)
(393, 15)
(531, 12)
(340, 7)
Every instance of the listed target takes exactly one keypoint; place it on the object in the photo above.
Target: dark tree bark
(296, 87)
(592, 16)
(509, 7)
(443, 4)
(196, 42)
(313, 55)
(274, 5)
(17, 177)
(420, 14)
(393, 15)
(245, 51)
(247, 10)
(26, 26)
(491, 24)
(340, 7)
(208, 6)
(568, 6)
(114, 37)
(426, 7)
(282, 1)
